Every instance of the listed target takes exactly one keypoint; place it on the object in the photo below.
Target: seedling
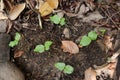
(92, 35)
(41, 48)
(102, 31)
(68, 69)
(16, 40)
(57, 20)
(86, 40)
(47, 45)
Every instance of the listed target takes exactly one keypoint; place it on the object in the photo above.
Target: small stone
(66, 33)
(4, 48)
(3, 25)
(8, 71)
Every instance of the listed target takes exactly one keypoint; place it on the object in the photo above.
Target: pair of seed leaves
(71, 47)
(68, 69)
(41, 48)
(56, 19)
(16, 40)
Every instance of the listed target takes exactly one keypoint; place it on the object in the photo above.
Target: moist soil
(40, 66)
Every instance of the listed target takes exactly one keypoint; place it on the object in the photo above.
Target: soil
(40, 66)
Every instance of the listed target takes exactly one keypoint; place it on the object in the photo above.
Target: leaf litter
(47, 7)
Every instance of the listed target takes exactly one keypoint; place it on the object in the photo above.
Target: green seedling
(47, 45)
(41, 48)
(92, 35)
(16, 40)
(85, 41)
(102, 31)
(57, 20)
(62, 22)
(68, 69)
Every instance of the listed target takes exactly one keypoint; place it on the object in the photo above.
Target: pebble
(4, 47)
(8, 71)
(3, 25)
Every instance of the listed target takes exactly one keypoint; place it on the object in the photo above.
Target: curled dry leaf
(18, 53)
(108, 42)
(16, 10)
(53, 3)
(90, 74)
(47, 7)
(70, 46)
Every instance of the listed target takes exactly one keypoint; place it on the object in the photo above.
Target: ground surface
(40, 66)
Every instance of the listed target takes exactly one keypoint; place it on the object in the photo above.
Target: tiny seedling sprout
(68, 69)
(41, 48)
(56, 19)
(16, 40)
(86, 40)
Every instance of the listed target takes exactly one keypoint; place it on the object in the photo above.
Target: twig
(36, 11)
(110, 18)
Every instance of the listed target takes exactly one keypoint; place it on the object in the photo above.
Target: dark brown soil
(40, 66)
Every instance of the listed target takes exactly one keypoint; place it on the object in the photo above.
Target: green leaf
(17, 36)
(55, 19)
(39, 48)
(62, 22)
(47, 45)
(92, 35)
(60, 65)
(85, 41)
(68, 69)
(13, 43)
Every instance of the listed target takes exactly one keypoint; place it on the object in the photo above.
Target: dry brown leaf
(70, 46)
(16, 10)
(90, 74)
(108, 42)
(94, 16)
(53, 3)
(45, 9)
(18, 53)
(3, 16)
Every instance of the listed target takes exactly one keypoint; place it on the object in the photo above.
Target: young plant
(47, 45)
(86, 40)
(57, 20)
(41, 48)
(102, 31)
(92, 35)
(68, 69)
(16, 40)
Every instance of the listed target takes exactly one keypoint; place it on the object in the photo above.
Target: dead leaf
(90, 74)
(15, 12)
(95, 16)
(70, 46)
(47, 7)
(18, 53)
(1, 5)
(3, 16)
(53, 3)
(108, 42)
